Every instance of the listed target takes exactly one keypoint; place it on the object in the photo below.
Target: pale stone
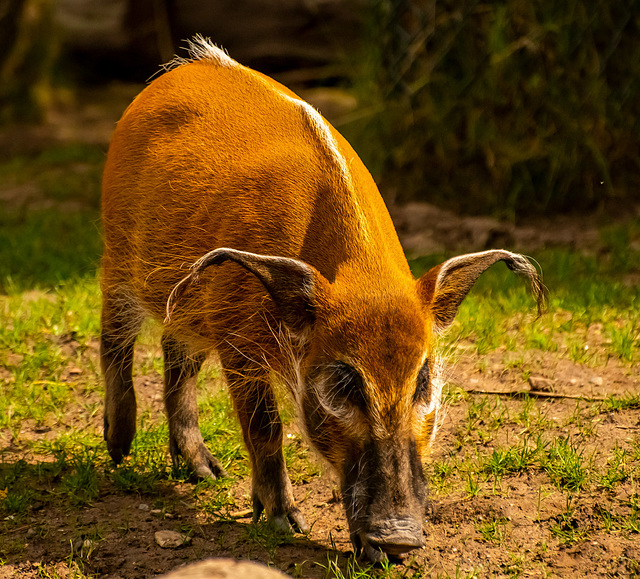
(224, 569)
(540, 384)
(171, 539)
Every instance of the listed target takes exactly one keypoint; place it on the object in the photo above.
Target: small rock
(156, 511)
(31, 532)
(14, 359)
(143, 507)
(245, 514)
(597, 380)
(540, 384)
(171, 539)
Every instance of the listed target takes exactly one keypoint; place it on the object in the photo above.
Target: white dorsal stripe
(201, 48)
(321, 129)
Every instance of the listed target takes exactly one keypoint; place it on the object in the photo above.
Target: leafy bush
(506, 107)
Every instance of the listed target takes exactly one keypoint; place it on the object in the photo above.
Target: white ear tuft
(444, 287)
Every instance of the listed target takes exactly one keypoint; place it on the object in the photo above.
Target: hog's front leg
(257, 412)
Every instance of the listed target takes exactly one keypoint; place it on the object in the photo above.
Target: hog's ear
(443, 287)
(291, 283)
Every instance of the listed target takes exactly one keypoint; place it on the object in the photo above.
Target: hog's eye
(346, 385)
(423, 387)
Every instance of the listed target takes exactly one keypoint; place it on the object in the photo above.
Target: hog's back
(214, 156)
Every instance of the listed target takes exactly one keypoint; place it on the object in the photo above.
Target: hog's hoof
(374, 555)
(202, 463)
(293, 521)
(289, 522)
(117, 454)
(211, 468)
(118, 443)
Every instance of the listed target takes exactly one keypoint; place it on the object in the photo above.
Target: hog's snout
(394, 537)
(384, 494)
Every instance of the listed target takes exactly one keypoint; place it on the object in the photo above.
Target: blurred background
(510, 108)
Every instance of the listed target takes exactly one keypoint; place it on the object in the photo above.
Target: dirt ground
(127, 523)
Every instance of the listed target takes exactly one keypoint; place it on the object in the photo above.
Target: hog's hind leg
(120, 325)
(257, 412)
(185, 439)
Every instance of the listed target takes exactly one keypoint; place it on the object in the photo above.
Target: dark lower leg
(180, 397)
(262, 430)
(120, 400)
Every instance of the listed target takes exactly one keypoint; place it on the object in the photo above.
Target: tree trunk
(28, 52)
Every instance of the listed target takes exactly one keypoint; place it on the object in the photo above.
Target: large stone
(223, 569)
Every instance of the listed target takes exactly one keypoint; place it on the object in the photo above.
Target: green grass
(45, 249)
(493, 531)
(565, 465)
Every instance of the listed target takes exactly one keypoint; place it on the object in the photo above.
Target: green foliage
(617, 403)
(267, 536)
(507, 107)
(44, 249)
(29, 52)
(618, 469)
(217, 499)
(566, 527)
(41, 247)
(514, 459)
(352, 569)
(15, 495)
(33, 328)
(81, 483)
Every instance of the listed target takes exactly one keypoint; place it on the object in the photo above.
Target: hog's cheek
(325, 433)
(424, 427)
(354, 492)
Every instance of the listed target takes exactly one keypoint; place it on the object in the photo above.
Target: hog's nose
(395, 537)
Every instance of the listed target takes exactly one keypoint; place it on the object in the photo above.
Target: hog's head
(367, 380)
